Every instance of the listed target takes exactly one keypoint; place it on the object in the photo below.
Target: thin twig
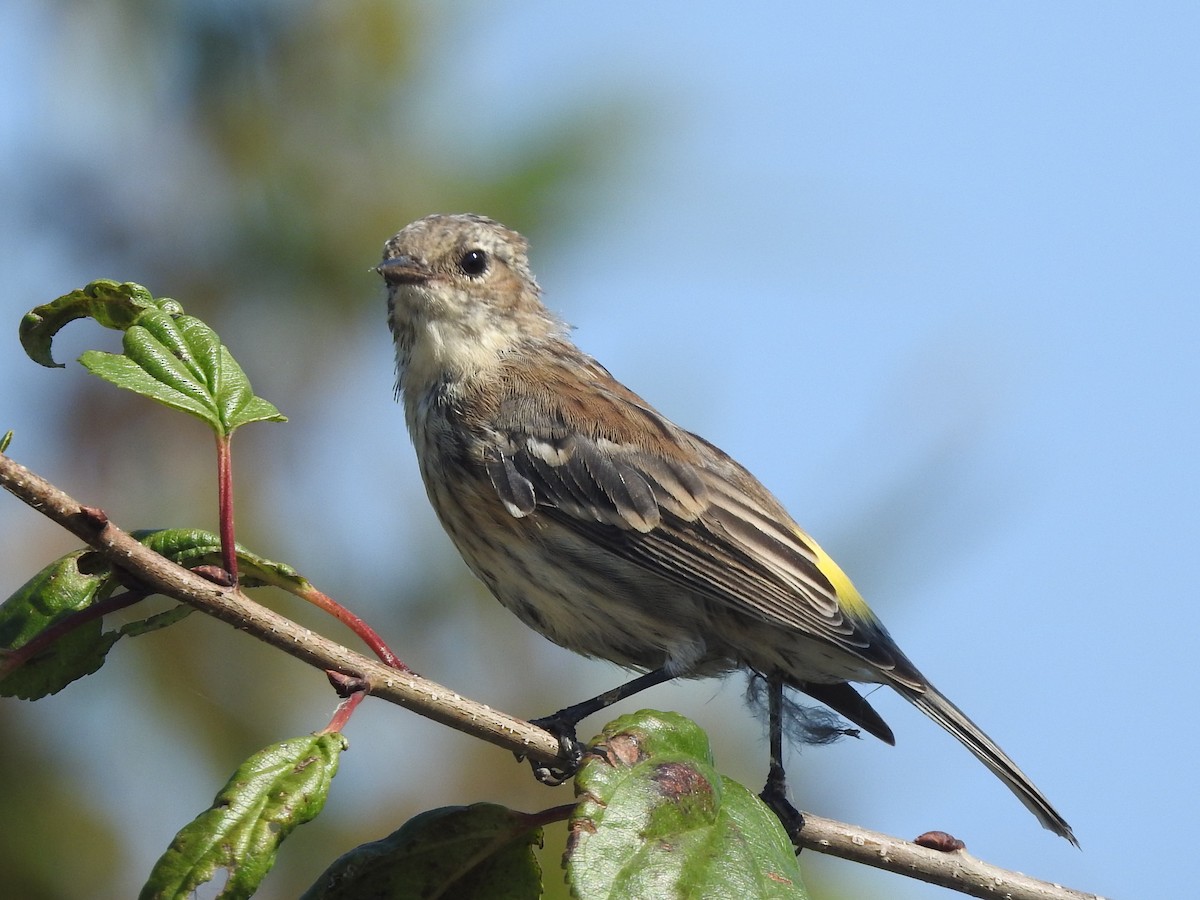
(225, 504)
(344, 711)
(957, 870)
(369, 636)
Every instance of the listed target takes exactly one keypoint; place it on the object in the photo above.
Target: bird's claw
(570, 752)
(774, 795)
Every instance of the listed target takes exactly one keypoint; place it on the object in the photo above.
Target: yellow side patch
(848, 596)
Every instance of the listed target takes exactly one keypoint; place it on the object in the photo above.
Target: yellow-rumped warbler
(608, 528)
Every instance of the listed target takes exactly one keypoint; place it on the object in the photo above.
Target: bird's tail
(931, 702)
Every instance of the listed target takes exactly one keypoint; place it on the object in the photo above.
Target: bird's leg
(774, 793)
(562, 725)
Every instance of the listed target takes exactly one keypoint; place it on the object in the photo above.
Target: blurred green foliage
(251, 158)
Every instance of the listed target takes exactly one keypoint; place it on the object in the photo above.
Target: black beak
(404, 270)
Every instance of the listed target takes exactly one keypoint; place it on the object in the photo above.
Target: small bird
(608, 528)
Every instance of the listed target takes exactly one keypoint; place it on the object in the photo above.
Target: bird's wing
(632, 482)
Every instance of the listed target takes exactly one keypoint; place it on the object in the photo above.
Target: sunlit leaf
(76, 581)
(111, 304)
(272, 793)
(180, 362)
(62, 588)
(191, 547)
(169, 357)
(657, 820)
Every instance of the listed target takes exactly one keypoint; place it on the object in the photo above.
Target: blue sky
(930, 271)
(952, 247)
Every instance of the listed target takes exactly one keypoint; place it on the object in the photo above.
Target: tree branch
(957, 869)
(230, 605)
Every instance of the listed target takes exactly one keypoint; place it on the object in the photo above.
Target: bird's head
(460, 297)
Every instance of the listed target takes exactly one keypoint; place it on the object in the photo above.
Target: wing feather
(668, 501)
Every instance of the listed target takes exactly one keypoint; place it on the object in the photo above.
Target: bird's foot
(569, 749)
(774, 794)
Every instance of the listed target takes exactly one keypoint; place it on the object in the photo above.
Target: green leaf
(111, 304)
(127, 373)
(155, 622)
(169, 357)
(180, 362)
(62, 588)
(657, 820)
(238, 404)
(81, 578)
(5, 441)
(274, 791)
(476, 852)
(191, 547)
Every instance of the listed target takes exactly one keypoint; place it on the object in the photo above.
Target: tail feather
(954, 720)
(843, 699)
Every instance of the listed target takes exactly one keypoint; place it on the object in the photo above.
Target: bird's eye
(473, 263)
